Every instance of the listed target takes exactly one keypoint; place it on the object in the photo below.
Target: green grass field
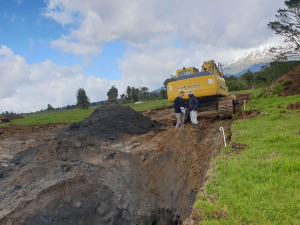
(258, 189)
(149, 105)
(76, 115)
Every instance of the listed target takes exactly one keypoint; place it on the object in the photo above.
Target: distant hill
(253, 69)
(157, 90)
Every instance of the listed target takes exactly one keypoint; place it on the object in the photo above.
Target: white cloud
(59, 12)
(207, 30)
(157, 24)
(25, 88)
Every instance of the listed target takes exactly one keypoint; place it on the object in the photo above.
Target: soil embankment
(290, 83)
(116, 167)
(17, 138)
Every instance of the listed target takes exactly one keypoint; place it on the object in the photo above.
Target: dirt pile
(293, 106)
(288, 84)
(89, 179)
(238, 147)
(248, 114)
(4, 120)
(110, 122)
(8, 117)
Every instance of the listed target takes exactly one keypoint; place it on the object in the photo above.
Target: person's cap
(189, 92)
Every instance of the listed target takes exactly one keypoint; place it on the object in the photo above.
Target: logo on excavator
(189, 87)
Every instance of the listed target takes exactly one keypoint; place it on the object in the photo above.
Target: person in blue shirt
(193, 105)
(179, 105)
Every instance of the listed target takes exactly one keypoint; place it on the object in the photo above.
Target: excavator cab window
(184, 73)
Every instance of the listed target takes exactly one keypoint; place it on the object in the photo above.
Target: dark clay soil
(238, 147)
(241, 99)
(110, 122)
(248, 114)
(294, 106)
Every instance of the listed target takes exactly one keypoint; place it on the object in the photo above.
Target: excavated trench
(150, 178)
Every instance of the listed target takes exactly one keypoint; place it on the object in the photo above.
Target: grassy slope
(75, 115)
(253, 91)
(259, 190)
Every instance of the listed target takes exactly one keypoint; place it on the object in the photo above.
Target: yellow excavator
(208, 86)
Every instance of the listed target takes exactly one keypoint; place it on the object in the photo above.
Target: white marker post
(222, 129)
(244, 105)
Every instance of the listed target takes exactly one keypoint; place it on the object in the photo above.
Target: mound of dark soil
(248, 114)
(238, 147)
(12, 116)
(294, 106)
(287, 84)
(110, 122)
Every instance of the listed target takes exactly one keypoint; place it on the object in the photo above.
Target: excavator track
(226, 108)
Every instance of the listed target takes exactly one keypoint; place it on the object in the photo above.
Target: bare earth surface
(15, 138)
(64, 177)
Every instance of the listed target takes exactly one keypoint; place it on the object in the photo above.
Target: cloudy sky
(49, 49)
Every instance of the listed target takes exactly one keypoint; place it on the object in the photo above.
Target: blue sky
(50, 48)
(28, 33)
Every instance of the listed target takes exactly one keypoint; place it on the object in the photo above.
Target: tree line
(264, 78)
(133, 94)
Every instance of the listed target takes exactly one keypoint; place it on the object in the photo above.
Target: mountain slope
(260, 55)
(157, 90)
(254, 68)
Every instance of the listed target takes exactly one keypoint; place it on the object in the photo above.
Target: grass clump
(262, 182)
(280, 87)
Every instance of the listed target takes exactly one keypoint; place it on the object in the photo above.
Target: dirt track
(151, 178)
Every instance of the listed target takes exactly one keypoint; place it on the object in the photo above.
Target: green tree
(288, 26)
(135, 92)
(144, 93)
(123, 98)
(163, 94)
(153, 96)
(112, 94)
(49, 107)
(82, 99)
(128, 92)
(248, 78)
(171, 79)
